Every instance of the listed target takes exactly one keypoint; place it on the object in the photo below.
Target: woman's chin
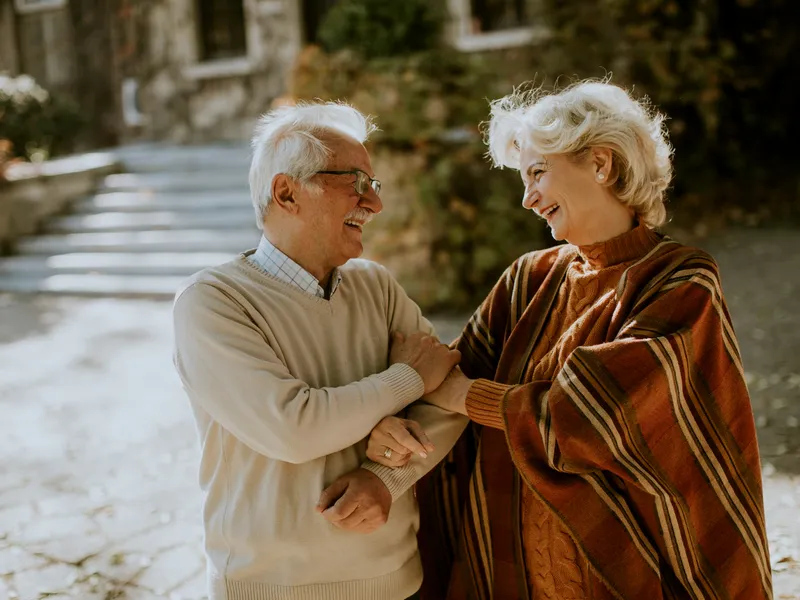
(557, 234)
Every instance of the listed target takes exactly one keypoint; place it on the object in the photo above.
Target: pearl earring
(600, 177)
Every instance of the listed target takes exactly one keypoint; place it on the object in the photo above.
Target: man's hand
(426, 355)
(358, 501)
(452, 394)
(402, 436)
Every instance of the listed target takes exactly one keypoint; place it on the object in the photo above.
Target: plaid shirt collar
(274, 262)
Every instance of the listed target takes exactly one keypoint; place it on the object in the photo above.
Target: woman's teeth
(550, 211)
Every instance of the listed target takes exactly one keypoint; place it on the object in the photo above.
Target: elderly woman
(613, 453)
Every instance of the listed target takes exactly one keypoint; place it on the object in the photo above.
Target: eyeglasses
(362, 183)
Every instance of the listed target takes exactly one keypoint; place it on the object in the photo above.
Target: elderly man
(290, 355)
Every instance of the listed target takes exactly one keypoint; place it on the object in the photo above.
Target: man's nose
(372, 201)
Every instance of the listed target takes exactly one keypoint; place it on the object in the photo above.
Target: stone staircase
(173, 212)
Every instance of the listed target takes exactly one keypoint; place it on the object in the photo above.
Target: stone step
(163, 201)
(239, 218)
(154, 157)
(176, 181)
(192, 240)
(178, 264)
(93, 285)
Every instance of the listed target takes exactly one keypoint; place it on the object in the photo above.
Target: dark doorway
(96, 81)
(314, 12)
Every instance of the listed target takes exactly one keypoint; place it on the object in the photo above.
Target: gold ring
(387, 453)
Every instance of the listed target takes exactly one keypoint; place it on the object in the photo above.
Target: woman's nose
(529, 199)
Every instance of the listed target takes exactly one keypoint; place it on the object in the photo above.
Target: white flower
(22, 90)
(26, 84)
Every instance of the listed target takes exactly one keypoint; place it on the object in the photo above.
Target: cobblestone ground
(98, 496)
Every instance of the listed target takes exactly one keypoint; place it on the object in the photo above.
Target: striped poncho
(614, 452)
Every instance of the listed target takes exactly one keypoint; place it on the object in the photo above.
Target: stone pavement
(98, 457)
(98, 498)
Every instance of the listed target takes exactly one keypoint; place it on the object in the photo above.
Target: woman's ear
(283, 188)
(602, 162)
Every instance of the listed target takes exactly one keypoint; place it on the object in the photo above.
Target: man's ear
(283, 189)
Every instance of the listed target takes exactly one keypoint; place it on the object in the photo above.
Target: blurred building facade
(193, 70)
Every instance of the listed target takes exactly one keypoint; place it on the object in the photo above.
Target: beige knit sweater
(285, 388)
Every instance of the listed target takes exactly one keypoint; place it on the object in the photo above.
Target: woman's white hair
(584, 115)
(288, 140)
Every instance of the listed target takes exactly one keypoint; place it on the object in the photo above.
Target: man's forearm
(291, 422)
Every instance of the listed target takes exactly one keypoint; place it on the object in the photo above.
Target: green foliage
(429, 107)
(477, 222)
(37, 124)
(416, 99)
(378, 28)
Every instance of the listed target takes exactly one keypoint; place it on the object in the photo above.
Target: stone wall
(9, 61)
(32, 193)
(46, 44)
(182, 99)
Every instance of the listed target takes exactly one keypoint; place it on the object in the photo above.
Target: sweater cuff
(484, 401)
(398, 480)
(405, 383)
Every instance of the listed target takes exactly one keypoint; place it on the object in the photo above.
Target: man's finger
(331, 494)
(453, 357)
(353, 520)
(402, 435)
(344, 507)
(398, 337)
(417, 431)
(367, 526)
(373, 519)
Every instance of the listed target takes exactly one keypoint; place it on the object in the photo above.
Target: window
(496, 15)
(222, 29)
(479, 25)
(28, 6)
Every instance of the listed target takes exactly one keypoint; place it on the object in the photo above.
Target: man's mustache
(360, 214)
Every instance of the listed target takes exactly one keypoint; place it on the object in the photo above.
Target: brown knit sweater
(555, 567)
(614, 454)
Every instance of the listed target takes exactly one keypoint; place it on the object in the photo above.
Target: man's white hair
(288, 140)
(590, 114)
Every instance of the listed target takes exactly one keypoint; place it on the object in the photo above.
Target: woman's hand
(395, 440)
(452, 394)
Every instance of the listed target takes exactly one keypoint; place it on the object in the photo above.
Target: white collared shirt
(274, 262)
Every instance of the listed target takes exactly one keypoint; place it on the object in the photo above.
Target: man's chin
(352, 251)
(356, 254)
